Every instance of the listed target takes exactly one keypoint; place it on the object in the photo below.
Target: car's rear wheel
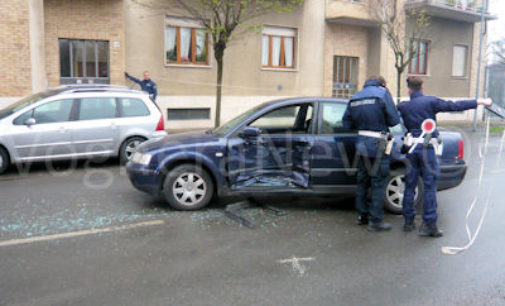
(129, 147)
(188, 187)
(4, 160)
(394, 193)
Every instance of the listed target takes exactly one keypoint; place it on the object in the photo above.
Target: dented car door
(273, 150)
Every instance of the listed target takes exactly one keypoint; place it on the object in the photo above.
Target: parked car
(290, 146)
(77, 122)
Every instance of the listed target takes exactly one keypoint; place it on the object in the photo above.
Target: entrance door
(345, 76)
(84, 61)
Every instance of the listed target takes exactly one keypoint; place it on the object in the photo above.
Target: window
(289, 119)
(418, 63)
(459, 60)
(278, 47)
(185, 43)
(83, 59)
(133, 108)
(188, 113)
(51, 112)
(97, 108)
(332, 114)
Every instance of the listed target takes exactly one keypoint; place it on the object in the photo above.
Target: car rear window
(131, 107)
(97, 108)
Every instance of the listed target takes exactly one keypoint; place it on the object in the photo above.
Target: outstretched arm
(132, 78)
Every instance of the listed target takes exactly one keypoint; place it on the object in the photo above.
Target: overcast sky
(497, 27)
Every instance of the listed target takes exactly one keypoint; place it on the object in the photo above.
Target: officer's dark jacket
(371, 109)
(421, 107)
(147, 85)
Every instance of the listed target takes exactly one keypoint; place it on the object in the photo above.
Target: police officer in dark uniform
(371, 111)
(423, 158)
(146, 84)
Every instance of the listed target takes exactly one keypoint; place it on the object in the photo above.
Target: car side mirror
(250, 132)
(30, 121)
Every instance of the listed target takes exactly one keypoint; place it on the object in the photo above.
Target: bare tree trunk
(398, 83)
(219, 86)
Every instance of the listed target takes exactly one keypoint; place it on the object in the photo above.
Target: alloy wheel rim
(189, 188)
(395, 190)
(131, 148)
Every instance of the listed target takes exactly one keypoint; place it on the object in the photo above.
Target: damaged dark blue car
(290, 146)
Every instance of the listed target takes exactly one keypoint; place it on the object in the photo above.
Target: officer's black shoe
(430, 231)
(379, 227)
(409, 226)
(362, 219)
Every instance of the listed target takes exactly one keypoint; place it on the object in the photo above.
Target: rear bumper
(451, 175)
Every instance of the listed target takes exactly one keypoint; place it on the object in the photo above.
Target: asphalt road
(144, 253)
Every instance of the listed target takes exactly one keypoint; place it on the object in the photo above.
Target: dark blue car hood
(196, 137)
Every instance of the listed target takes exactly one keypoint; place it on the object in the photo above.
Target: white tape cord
(501, 149)
(451, 250)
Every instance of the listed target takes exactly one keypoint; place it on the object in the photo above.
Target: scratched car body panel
(285, 146)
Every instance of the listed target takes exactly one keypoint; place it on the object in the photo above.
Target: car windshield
(230, 125)
(11, 109)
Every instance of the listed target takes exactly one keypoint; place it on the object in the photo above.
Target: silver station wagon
(71, 122)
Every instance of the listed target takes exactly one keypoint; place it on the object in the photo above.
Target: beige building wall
(90, 19)
(443, 35)
(349, 41)
(245, 82)
(243, 74)
(15, 68)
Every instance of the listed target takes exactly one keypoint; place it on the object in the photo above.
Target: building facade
(325, 48)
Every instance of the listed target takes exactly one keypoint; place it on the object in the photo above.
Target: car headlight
(141, 158)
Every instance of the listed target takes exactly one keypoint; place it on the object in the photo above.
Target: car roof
(90, 88)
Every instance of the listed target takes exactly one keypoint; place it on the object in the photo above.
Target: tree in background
(220, 18)
(400, 28)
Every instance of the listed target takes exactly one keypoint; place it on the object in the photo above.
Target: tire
(394, 194)
(4, 160)
(129, 147)
(188, 187)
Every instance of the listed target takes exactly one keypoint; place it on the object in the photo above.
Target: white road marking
(295, 262)
(80, 233)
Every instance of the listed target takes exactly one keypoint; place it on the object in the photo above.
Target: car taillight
(461, 149)
(161, 125)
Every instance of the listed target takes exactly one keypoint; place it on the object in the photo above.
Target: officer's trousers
(423, 163)
(372, 173)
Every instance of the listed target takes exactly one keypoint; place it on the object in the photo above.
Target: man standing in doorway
(371, 111)
(146, 84)
(423, 159)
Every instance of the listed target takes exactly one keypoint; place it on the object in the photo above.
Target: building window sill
(459, 77)
(419, 75)
(187, 66)
(279, 69)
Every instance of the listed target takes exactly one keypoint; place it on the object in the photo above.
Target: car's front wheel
(394, 193)
(188, 187)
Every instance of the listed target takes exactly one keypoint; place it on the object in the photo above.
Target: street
(132, 249)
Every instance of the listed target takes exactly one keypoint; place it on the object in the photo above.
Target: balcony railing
(461, 10)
